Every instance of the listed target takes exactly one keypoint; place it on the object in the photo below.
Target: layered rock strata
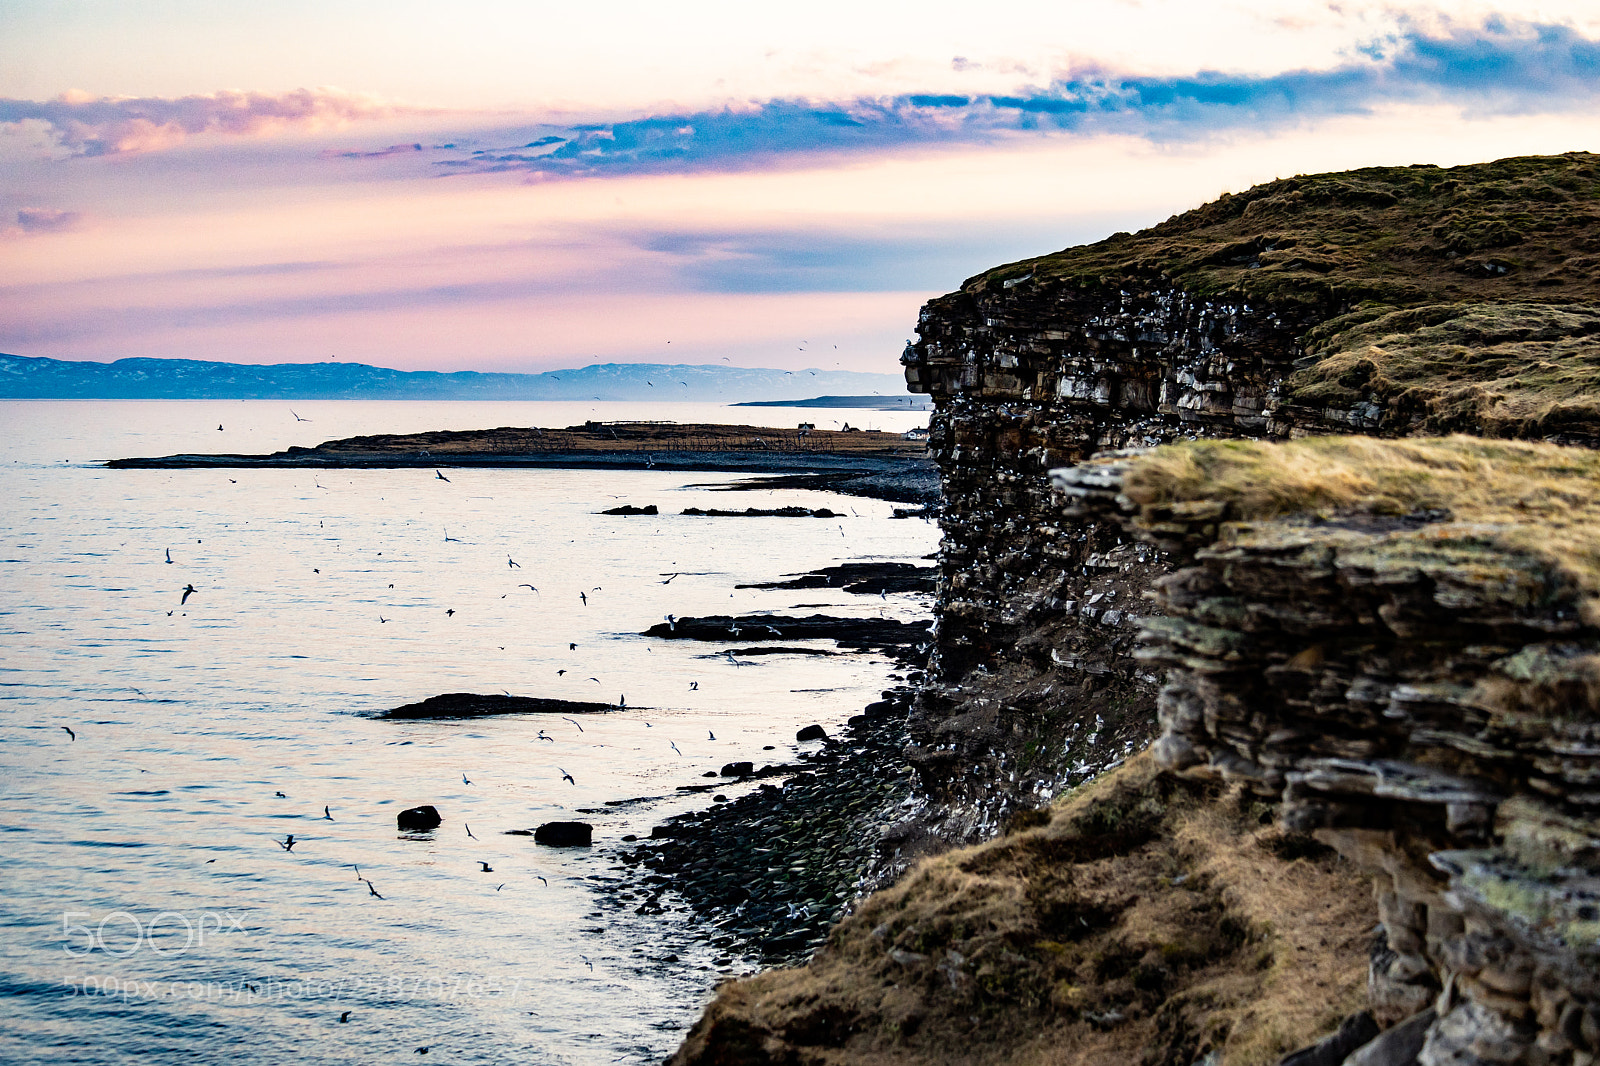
(1400, 647)
(1392, 301)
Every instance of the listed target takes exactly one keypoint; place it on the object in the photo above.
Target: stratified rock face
(1419, 691)
(1036, 615)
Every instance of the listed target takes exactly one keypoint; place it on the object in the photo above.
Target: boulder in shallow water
(628, 508)
(422, 819)
(812, 732)
(564, 834)
(738, 769)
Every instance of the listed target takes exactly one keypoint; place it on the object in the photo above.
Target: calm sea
(147, 909)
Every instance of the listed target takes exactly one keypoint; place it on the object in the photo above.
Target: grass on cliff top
(1500, 370)
(1542, 499)
(1523, 228)
(1149, 920)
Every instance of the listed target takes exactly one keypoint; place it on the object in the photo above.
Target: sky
(516, 185)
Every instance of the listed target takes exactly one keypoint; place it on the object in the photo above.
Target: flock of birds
(289, 843)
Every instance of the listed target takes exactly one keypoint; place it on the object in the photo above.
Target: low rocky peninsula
(855, 462)
(1261, 722)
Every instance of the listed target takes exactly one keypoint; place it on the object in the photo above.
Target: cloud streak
(1499, 67)
(87, 126)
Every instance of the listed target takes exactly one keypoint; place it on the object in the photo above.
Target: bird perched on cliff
(441, 477)
(188, 590)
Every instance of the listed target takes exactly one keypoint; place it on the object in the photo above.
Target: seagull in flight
(584, 596)
(327, 813)
(464, 780)
(675, 747)
(568, 779)
(70, 733)
(525, 585)
(487, 869)
(297, 418)
(188, 590)
(510, 562)
(441, 477)
(541, 877)
(566, 719)
(169, 555)
(288, 844)
(710, 735)
(668, 581)
(469, 831)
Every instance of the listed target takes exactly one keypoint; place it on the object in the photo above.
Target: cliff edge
(1390, 301)
(1368, 656)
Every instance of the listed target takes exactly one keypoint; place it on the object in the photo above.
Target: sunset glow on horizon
(525, 187)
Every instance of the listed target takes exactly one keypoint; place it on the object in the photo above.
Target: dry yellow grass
(1540, 500)
(1149, 921)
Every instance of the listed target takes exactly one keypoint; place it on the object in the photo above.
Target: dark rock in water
(518, 833)
(629, 838)
(472, 705)
(628, 508)
(719, 799)
(709, 773)
(861, 578)
(769, 747)
(564, 834)
(738, 769)
(763, 512)
(418, 819)
(863, 633)
(812, 732)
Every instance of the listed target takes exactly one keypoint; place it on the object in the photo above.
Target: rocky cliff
(1369, 826)
(1391, 301)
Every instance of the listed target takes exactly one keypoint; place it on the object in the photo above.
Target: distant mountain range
(24, 377)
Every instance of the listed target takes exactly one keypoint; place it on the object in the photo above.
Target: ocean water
(149, 911)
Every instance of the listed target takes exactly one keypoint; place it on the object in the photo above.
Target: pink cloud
(89, 126)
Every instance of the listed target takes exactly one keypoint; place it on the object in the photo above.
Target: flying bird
(572, 647)
(566, 777)
(372, 889)
(668, 581)
(541, 877)
(566, 719)
(188, 590)
(469, 831)
(675, 747)
(487, 869)
(584, 596)
(169, 555)
(345, 1017)
(510, 562)
(297, 418)
(710, 735)
(694, 686)
(288, 844)
(450, 612)
(464, 780)
(525, 585)
(327, 813)
(441, 477)
(70, 733)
